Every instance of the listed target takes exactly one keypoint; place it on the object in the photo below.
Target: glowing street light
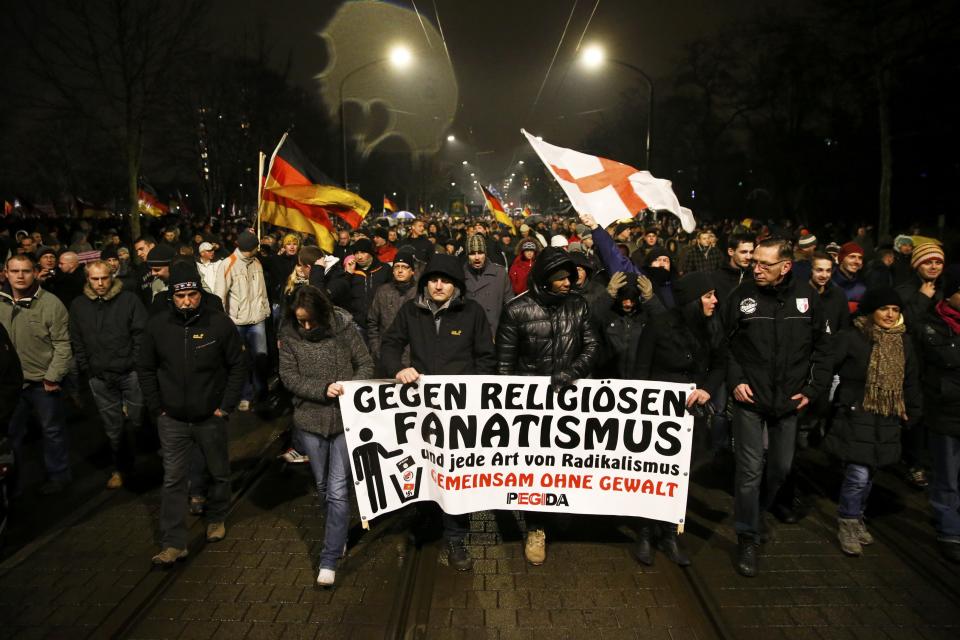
(593, 56)
(451, 138)
(400, 57)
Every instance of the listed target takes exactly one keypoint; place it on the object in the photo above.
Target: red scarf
(949, 315)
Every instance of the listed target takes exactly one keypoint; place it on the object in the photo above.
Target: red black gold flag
(389, 205)
(296, 195)
(149, 203)
(496, 208)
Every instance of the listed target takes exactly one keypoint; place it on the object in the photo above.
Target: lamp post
(399, 57)
(594, 56)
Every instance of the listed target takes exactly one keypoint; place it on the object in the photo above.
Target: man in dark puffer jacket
(547, 331)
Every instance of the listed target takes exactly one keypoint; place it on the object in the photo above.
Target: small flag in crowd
(389, 205)
(296, 195)
(606, 189)
(527, 212)
(496, 208)
(149, 203)
(7, 208)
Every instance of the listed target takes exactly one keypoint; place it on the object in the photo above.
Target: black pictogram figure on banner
(366, 460)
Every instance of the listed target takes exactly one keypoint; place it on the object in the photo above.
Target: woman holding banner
(319, 347)
(681, 345)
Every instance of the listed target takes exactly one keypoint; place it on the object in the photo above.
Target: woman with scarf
(682, 345)
(320, 346)
(878, 389)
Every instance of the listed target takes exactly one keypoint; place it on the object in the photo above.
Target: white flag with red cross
(606, 189)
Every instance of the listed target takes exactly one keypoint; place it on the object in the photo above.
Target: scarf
(883, 391)
(949, 315)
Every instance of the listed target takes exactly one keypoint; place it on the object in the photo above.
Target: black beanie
(247, 241)
(183, 276)
(873, 299)
(160, 256)
(406, 255)
(692, 286)
(109, 251)
(363, 244)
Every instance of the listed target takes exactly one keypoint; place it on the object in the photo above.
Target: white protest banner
(473, 443)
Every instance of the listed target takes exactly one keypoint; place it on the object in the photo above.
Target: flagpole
(273, 157)
(263, 157)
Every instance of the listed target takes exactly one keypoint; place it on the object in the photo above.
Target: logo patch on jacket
(803, 304)
(748, 306)
(455, 332)
(198, 336)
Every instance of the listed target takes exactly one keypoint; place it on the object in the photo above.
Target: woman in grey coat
(320, 346)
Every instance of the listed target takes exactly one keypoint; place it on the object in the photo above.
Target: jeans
(110, 392)
(197, 475)
(318, 449)
(748, 435)
(50, 410)
(336, 480)
(945, 489)
(854, 491)
(177, 439)
(255, 337)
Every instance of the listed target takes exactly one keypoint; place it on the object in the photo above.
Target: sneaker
(535, 549)
(864, 536)
(168, 556)
(848, 535)
(458, 556)
(917, 478)
(244, 405)
(115, 481)
(52, 487)
(197, 505)
(293, 456)
(216, 531)
(326, 577)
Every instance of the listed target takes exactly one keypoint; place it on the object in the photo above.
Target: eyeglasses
(766, 266)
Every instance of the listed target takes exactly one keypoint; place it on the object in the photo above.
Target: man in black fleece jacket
(192, 368)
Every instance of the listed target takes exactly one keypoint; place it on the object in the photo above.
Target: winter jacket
(363, 285)
(491, 289)
(519, 271)
(190, 367)
(38, 327)
(276, 269)
(672, 352)
(916, 306)
(242, 288)
(105, 332)
(777, 343)
(66, 286)
(209, 271)
(542, 333)
(836, 312)
(11, 379)
(386, 253)
(307, 368)
(386, 303)
(452, 340)
(857, 435)
(940, 348)
(698, 259)
(853, 287)
(728, 278)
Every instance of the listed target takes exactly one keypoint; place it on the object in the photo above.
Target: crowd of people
(852, 345)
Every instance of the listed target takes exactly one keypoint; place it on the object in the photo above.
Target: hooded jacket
(542, 333)
(453, 339)
(241, 286)
(191, 366)
(105, 331)
(308, 367)
(777, 343)
(38, 327)
(520, 270)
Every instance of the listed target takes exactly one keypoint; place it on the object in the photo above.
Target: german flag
(149, 203)
(298, 196)
(389, 205)
(495, 206)
(526, 211)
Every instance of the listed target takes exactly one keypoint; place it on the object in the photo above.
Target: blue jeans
(177, 439)
(854, 491)
(50, 410)
(110, 392)
(331, 471)
(945, 489)
(255, 337)
(748, 504)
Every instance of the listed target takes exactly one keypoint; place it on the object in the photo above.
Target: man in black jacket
(192, 368)
(365, 276)
(547, 331)
(447, 335)
(778, 362)
(737, 269)
(106, 325)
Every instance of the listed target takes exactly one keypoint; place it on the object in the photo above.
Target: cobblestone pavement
(94, 579)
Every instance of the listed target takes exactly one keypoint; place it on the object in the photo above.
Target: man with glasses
(778, 362)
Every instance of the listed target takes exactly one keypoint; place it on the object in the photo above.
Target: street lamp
(451, 138)
(594, 56)
(399, 57)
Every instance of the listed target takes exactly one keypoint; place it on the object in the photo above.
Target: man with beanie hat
(547, 331)
(387, 301)
(487, 283)
(365, 275)
(806, 245)
(242, 287)
(621, 319)
(447, 335)
(902, 248)
(847, 275)
(158, 266)
(940, 382)
(192, 370)
(779, 360)
(385, 250)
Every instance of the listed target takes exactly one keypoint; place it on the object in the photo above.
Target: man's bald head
(69, 261)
